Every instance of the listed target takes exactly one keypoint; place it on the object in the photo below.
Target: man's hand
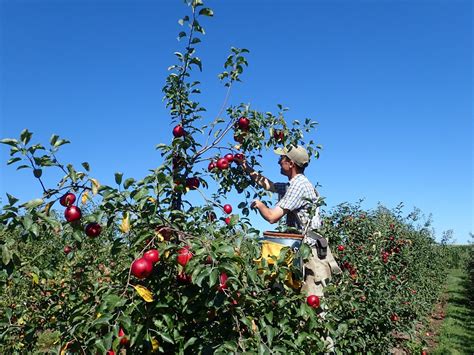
(271, 215)
(257, 204)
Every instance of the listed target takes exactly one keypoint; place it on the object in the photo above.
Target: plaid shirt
(297, 197)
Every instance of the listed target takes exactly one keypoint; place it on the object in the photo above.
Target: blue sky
(390, 83)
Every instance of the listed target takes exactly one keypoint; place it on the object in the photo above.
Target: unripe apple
(192, 183)
(142, 268)
(229, 157)
(227, 209)
(37, 173)
(313, 301)
(184, 255)
(152, 256)
(222, 282)
(178, 131)
(67, 249)
(67, 199)
(72, 213)
(222, 163)
(211, 166)
(243, 123)
(93, 229)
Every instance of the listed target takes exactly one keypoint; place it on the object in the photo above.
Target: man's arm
(271, 215)
(257, 177)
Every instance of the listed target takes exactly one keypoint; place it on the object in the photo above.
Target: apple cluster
(143, 267)
(73, 213)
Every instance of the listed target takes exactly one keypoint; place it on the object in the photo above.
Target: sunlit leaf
(125, 225)
(85, 197)
(144, 293)
(95, 186)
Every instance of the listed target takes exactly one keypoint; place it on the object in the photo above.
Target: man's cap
(297, 154)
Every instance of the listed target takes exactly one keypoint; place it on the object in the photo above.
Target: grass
(457, 331)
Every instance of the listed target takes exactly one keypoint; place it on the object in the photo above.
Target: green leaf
(204, 272)
(23, 167)
(137, 195)
(33, 203)
(9, 141)
(13, 160)
(11, 199)
(206, 12)
(128, 182)
(190, 342)
(118, 178)
(166, 337)
(86, 166)
(60, 142)
(72, 172)
(6, 255)
(25, 136)
(270, 334)
(53, 139)
(213, 277)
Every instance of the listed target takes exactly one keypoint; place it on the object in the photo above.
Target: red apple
(67, 199)
(394, 317)
(93, 229)
(152, 255)
(184, 255)
(222, 282)
(192, 183)
(72, 213)
(227, 220)
(142, 268)
(239, 156)
(211, 166)
(278, 135)
(184, 278)
(313, 301)
(243, 123)
(124, 340)
(110, 352)
(178, 131)
(229, 157)
(67, 249)
(222, 163)
(227, 209)
(340, 248)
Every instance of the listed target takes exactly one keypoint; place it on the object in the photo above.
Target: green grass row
(457, 332)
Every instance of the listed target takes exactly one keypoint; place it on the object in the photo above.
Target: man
(298, 202)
